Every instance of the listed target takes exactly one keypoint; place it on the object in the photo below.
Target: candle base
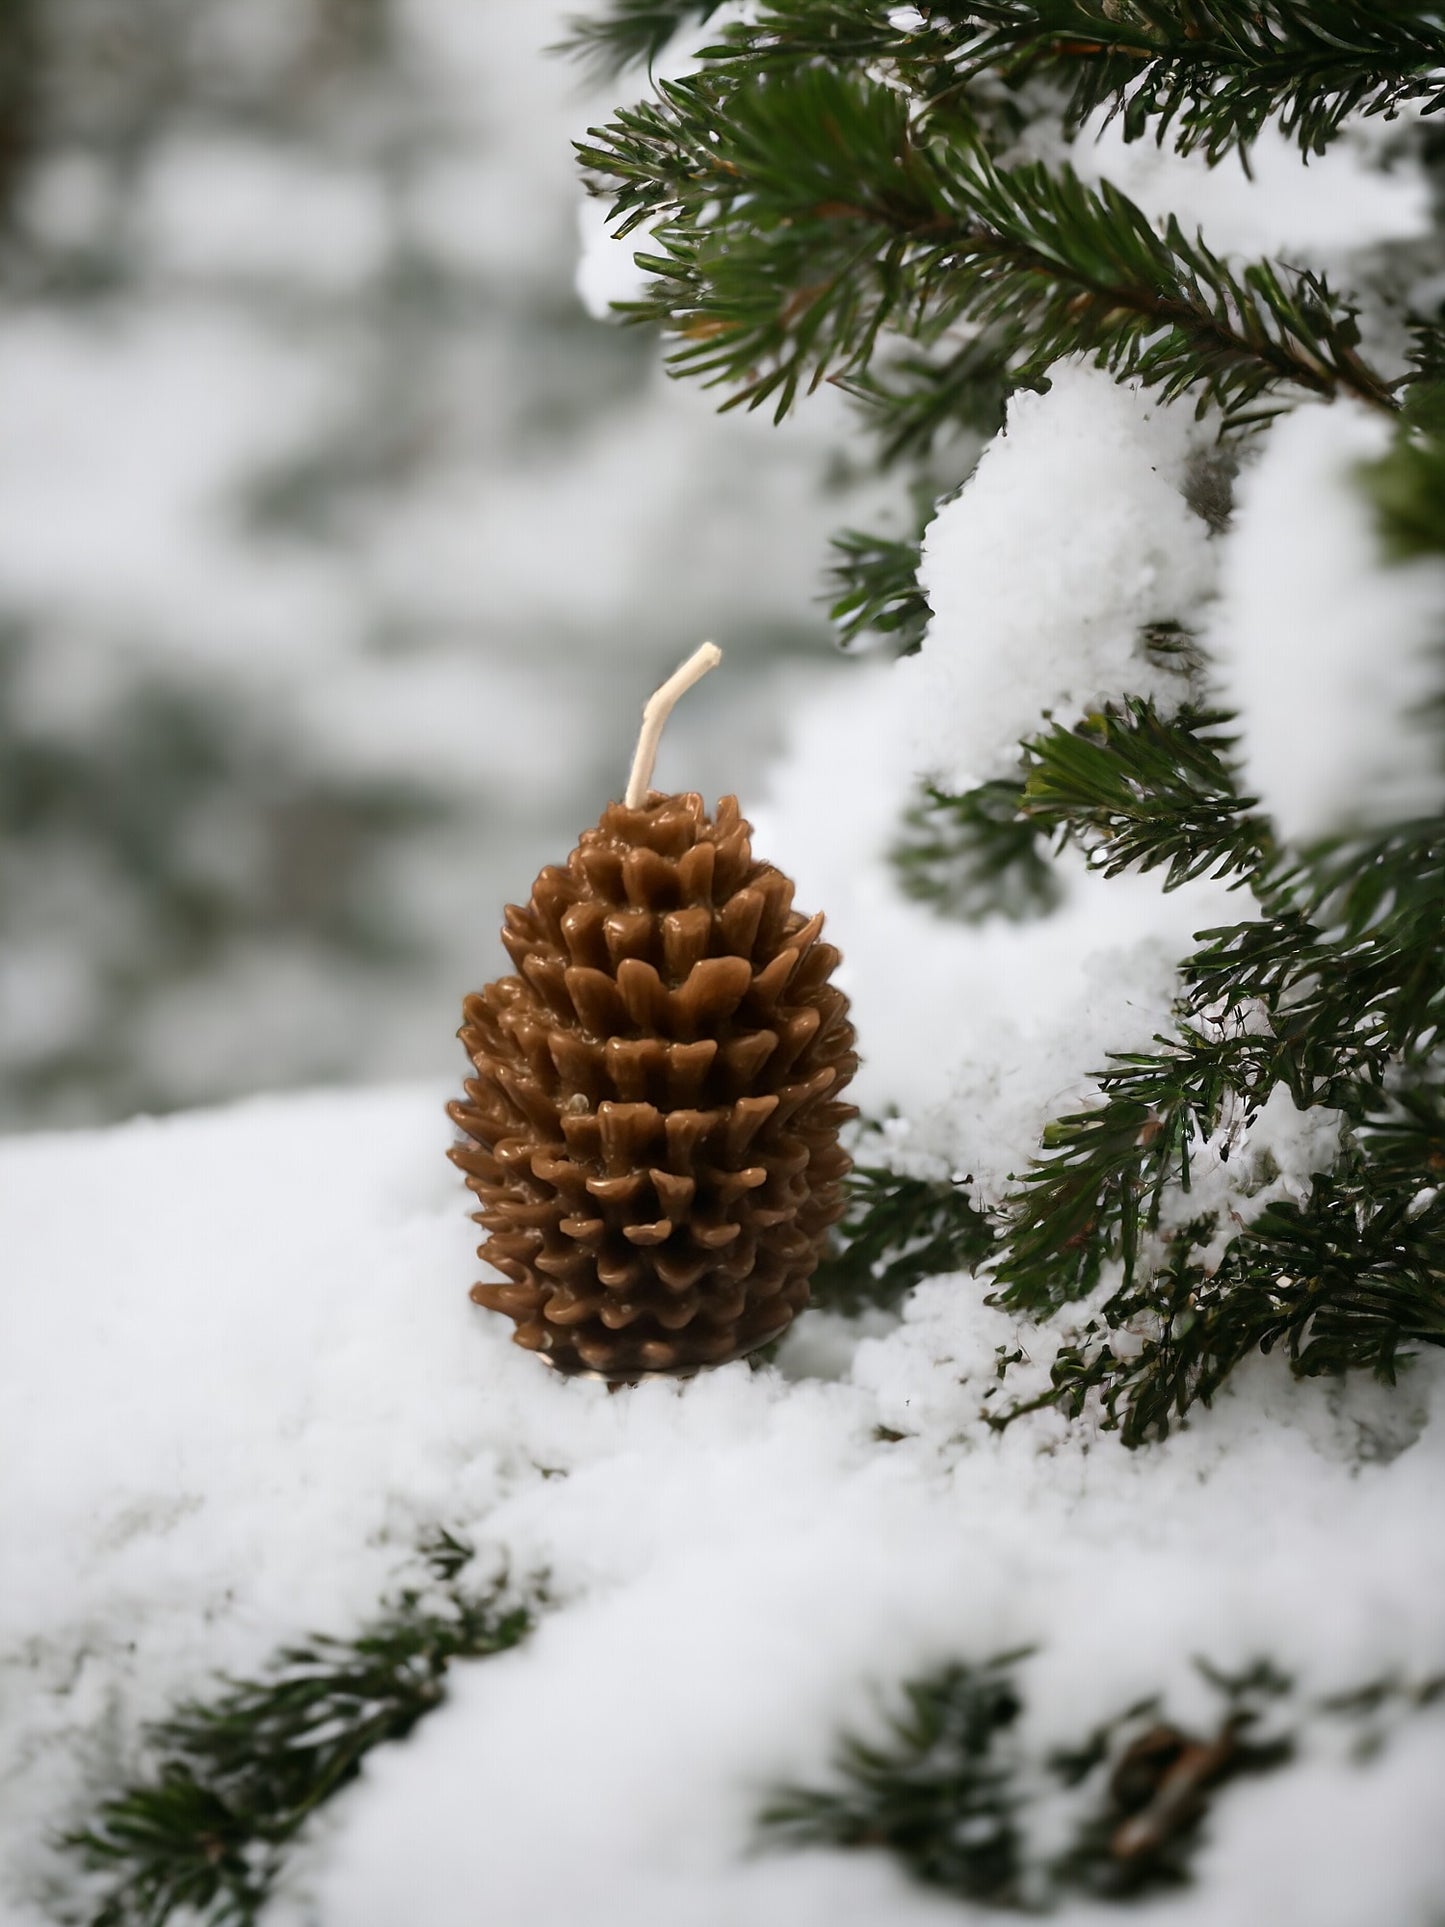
(615, 1381)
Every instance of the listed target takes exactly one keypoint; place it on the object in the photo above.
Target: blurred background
(339, 545)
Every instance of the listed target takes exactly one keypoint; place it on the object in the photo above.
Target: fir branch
(1339, 983)
(921, 52)
(798, 215)
(940, 1792)
(874, 590)
(976, 855)
(238, 1776)
(1211, 74)
(898, 1231)
(1140, 790)
(917, 400)
(951, 1790)
(1208, 74)
(1404, 1134)
(1099, 1181)
(1346, 968)
(1081, 269)
(1347, 1281)
(786, 33)
(630, 33)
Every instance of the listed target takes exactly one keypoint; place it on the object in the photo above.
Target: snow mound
(240, 1377)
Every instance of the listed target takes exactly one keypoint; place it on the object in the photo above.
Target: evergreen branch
(1212, 74)
(921, 54)
(976, 855)
(1133, 788)
(1080, 269)
(1324, 1007)
(1343, 1282)
(631, 33)
(1427, 345)
(1404, 1134)
(952, 1789)
(941, 1792)
(875, 590)
(917, 400)
(1139, 790)
(1347, 967)
(239, 1776)
(1100, 1179)
(799, 215)
(787, 33)
(898, 1231)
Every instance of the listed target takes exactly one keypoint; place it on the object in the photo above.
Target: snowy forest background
(338, 543)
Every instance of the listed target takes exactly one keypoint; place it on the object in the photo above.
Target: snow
(214, 207)
(1070, 536)
(1327, 651)
(241, 1377)
(1314, 210)
(1251, 1162)
(121, 441)
(976, 1035)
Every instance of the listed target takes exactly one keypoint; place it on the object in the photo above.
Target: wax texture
(652, 1125)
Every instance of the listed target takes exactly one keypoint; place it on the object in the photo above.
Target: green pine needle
(238, 1776)
(953, 1790)
(1205, 75)
(1139, 790)
(630, 33)
(898, 1231)
(1351, 1280)
(797, 214)
(977, 855)
(874, 590)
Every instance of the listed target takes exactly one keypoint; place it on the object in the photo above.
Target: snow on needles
(975, 1034)
(1322, 646)
(1071, 535)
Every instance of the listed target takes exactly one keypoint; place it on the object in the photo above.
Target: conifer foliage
(836, 191)
(955, 1791)
(236, 1777)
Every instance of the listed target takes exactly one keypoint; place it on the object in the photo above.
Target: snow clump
(1070, 537)
(1328, 651)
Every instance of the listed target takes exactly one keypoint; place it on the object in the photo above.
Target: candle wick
(655, 712)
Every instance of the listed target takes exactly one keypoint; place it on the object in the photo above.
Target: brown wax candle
(652, 1129)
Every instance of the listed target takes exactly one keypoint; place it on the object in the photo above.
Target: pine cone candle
(652, 1130)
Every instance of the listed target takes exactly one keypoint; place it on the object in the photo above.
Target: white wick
(655, 712)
